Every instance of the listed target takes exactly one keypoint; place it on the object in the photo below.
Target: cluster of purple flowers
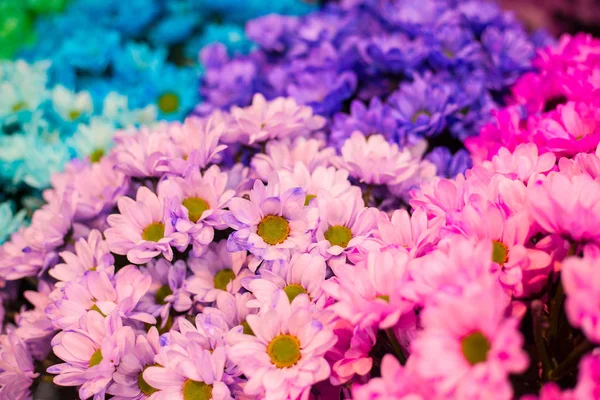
(404, 69)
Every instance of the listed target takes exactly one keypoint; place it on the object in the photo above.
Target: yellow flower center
(194, 390)
(499, 252)
(223, 277)
(168, 103)
(338, 235)
(154, 232)
(195, 206)
(96, 155)
(293, 290)
(74, 114)
(475, 347)
(274, 229)
(284, 351)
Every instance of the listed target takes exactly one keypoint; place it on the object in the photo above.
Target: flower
(582, 287)
(345, 225)
(196, 203)
(288, 344)
(269, 225)
(480, 348)
(142, 230)
(16, 366)
(216, 271)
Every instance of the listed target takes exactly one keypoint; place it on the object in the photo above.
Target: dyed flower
(375, 161)
(17, 371)
(142, 230)
(582, 285)
(370, 294)
(345, 226)
(216, 271)
(196, 203)
(481, 348)
(566, 205)
(288, 344)
(91, 353)
(269, 225)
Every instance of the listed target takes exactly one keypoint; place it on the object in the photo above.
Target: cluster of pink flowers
(236, 257)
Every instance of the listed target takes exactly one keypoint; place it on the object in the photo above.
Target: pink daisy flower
(129, 383)
(522, 163)
(187, 370)
(415, 233)
(370, 294)
(102, 293)
(481, 346)
(142, 230)
(90, 254)
(167, 291)
(396, 383)
(17, 370)
(566, 205)
(285, 356)
(215, 272)
(304, 273)
(278, 118)
(270, 224)
(284, 154)
(144, 152)
(350, 355)
(195, 204)
(91, 353)
(588, 379)
(345, 226)
(581, 281)
(374, 160)
(329, 179)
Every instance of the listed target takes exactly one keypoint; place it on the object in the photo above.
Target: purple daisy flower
(129, 382)
(196, 203)
(270, 224)
(215, 272)
(17, 370)
(167, 291)
(142, 230)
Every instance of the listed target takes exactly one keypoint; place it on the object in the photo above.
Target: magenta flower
(581, 281)
(278, 118)
(481, 346)
(91, 353)
(345, 226)
(284, 154)
(374, 161)
(415, 233)
(142, 230)
(285, 355)
(215, 272)
(588, 379)
(270, 224)
(196, 203)
(370, 294)
(128, 379)
(17, 371)
(396, 383)
(90, 254)
(566, 205)
(350, 355)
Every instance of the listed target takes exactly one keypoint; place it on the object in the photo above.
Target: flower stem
(540, 345)
(556, 309)
(572, 359)
(396, 346)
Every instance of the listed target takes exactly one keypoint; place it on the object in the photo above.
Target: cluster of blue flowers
(42, 127)
(143, 49)
(404, 69)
